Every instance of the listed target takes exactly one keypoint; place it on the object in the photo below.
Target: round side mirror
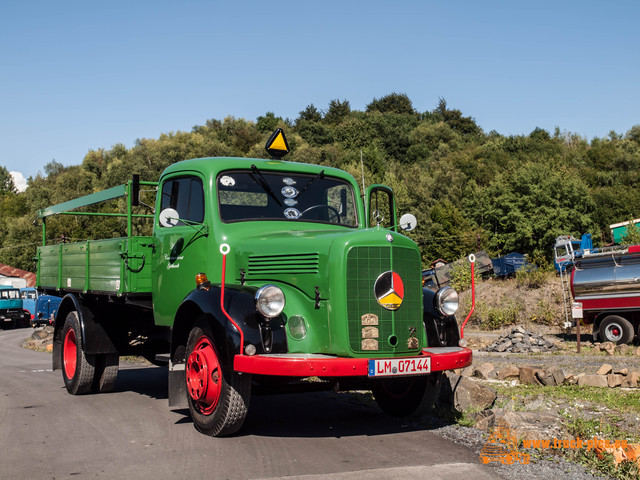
(408, 222)
(168, 217)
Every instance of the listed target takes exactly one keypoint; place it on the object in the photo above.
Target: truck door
(182, 250)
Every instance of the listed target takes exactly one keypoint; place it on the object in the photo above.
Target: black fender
(266, 335)
(95, 338)
(442, 331)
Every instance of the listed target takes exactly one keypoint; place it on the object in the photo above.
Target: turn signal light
(202, 282)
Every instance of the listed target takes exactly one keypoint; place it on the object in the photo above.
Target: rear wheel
(616, 329)
(218, 398)
(77, 366)
(400, 396)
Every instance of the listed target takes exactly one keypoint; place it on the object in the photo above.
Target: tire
(106, 372)
(77, 367)
(616, 329)
(218, 397)
(400, 397)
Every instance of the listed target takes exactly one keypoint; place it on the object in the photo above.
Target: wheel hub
(70, 353)
(614, 333)
(203, 376)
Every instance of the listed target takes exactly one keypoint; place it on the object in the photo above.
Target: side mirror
(168, 217)
(408, 222)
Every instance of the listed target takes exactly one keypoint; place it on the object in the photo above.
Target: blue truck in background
(11, 313)
(46, 308)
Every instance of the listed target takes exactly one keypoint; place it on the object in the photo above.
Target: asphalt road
(45, 433)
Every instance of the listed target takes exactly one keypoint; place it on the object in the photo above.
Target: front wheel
(218, 397)
(77, 366)
(399, 396)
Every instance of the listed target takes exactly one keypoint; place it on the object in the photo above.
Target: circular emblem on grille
(389, 290)
(389, 237)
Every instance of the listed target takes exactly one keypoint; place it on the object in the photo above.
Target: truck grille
(269, 265)
(364, 266)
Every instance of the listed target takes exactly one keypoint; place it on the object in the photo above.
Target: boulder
(624, 349)
(632, 380)
(605, 369)
(545, 377)
(484, 369)
(593, 381)
(637, 352)
(614, 380)
(622, 371)
(529, 425)
(528, 375)
(510, 371)
(464, 393)
(558, 375)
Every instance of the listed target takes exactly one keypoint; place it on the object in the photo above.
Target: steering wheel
(328, 207)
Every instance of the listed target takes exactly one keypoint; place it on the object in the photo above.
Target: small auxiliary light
(462, 342)
(202, 282)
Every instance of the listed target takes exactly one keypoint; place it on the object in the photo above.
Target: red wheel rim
(203, 376)
(70, 353)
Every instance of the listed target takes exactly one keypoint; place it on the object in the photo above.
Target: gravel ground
(547, 466)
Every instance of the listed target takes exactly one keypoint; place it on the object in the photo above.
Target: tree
(6, 182)
(463, 125)
(309, 114)
(338, 111)
(268, 123)
(392, 103)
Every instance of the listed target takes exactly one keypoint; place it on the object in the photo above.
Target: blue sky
(81, 75)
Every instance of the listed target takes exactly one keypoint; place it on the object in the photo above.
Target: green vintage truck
(260, 275)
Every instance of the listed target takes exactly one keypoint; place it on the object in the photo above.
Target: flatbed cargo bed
(120, 266)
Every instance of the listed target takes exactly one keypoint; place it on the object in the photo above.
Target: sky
(77, 76)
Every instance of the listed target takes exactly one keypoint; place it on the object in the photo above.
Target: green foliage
(491, 318)
(461, 277)
(632, 235)
(531, 277)
(469, 190)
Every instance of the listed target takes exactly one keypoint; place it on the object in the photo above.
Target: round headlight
(270, 301)
(447, 301)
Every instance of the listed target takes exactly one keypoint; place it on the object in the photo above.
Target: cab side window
(186, 196)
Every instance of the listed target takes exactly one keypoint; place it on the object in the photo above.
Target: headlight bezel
(270, 301)
(445, 300)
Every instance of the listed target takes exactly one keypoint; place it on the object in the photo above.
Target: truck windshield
(6, 294)
(249, 195)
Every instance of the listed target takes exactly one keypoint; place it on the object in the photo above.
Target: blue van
(29, 295)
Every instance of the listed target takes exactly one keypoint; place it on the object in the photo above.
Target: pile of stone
(41, 339)
(520, 340)
(606, 376)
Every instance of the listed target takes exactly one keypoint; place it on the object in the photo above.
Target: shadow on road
(150, 381)
(323, 415)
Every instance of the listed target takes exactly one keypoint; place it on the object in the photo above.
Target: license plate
(392, 367)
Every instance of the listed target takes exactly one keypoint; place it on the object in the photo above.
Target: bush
(531, 277)
(461, 277)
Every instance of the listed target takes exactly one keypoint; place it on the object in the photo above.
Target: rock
(519, 329)
(464, 393)
(622, 371)
(529, 425)
(39, 334)
(614, 380)
(50, 347)
(546, 378)
(593, 381)
(608, 347)
(484, 369)
(510, 371)
(468, 371)
(528, 375)
(623, 349)
(637, 352)
(632, 380)
(558, 375)
(605, 369)
(570, 380)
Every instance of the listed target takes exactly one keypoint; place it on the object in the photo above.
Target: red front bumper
(301, 365)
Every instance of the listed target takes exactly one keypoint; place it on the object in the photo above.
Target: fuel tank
(614, 274)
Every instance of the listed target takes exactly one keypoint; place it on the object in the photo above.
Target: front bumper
(313, 365)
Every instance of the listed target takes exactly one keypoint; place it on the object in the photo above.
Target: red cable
(473, 300)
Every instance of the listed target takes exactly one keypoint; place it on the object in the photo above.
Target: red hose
(473, 298)
(224, 268)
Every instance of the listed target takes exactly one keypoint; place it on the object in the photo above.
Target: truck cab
(11, 314)
(259, 273)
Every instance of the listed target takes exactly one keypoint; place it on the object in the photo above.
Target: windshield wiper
(263, 183)
(320, 175)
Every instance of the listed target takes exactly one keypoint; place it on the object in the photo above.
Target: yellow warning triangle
(278, 143)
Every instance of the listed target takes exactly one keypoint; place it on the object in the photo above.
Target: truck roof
(220, 164)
